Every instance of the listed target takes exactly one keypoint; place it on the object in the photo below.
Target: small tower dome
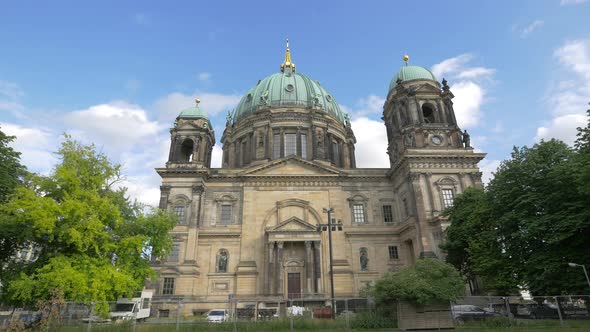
(410, 73)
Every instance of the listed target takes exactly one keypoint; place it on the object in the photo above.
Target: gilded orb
(406, 58)
(197, 100)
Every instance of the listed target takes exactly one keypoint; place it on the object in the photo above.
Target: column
(280, 267)
(271, 268)
(308, 267)
(317, 266)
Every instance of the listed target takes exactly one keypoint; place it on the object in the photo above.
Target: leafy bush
(428, 281)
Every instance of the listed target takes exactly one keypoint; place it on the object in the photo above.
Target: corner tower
(192, 139)
(431, 161)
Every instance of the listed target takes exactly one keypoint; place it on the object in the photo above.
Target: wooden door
(294, 285)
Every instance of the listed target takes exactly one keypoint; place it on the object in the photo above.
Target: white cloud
(572, 2)
(10, 90)
(467, 102)
(35, 146)
(562, 127)
(204, 77)
(575, 56)
(169, 106)
(371, 145)
(216, 156)
(468, 86)
(488, 167)
(568, 99)
(476, 72)
(10, 95)
(451, 65)
(526, 31)
(366, 106)
(119, 125)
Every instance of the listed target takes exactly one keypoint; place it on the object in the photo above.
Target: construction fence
(341, 314)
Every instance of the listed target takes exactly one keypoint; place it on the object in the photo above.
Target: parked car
(538, 311)
(467, 312)
(217, 316)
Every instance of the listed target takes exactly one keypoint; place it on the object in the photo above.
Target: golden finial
(197, 101)
(406, 59)
(287, 63)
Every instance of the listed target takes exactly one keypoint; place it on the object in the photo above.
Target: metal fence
(231, 315)
(513, 311)
(341, 314)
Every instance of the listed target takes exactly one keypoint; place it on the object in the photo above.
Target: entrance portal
(294, 285)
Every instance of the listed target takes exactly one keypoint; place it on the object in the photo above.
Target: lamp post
(329, 226)
(583, 268)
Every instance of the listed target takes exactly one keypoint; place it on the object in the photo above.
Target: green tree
(11, 170)
(94, 244)
(429, 281)
(531, 220)
(471, 244)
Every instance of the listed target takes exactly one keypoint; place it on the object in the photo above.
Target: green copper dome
(287, 89)
(194, 112)
(408, 73)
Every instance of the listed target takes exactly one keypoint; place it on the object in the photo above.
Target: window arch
(186, 150)
(358, 209)
(226, 210)
(428, 113)
(447, 190)
(180, 207)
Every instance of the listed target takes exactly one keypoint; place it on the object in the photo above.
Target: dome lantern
(287, 66)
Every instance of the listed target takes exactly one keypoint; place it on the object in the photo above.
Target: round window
(329, 98)
(289, 87)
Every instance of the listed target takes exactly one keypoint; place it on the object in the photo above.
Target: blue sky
(118, 73)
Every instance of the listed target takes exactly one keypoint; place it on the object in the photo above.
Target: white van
(137, 307)
(217, 316)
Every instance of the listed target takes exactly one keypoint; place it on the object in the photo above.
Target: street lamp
(330, 226)
(583, 268)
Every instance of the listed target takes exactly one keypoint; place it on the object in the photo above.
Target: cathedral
(261, 226)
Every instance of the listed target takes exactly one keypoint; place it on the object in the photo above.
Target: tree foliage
(93, 243)
(531, 220)
(428, 281)
(11, 170)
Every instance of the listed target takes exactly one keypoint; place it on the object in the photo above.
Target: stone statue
(364, 259)
(410, 140)
(228, 118)
(264, 98)
(320, 137)
(222, 262)
(466, 139)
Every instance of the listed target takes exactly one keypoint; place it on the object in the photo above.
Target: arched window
(428, 113)
(180, 208)
(222, 261)
(186, 150)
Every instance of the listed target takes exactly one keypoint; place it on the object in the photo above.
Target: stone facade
(250, 228)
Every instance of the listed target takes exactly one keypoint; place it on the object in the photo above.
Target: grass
(325, 326)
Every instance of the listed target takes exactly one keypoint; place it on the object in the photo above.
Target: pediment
(291, 166)
(427, 88)
(293, 224)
